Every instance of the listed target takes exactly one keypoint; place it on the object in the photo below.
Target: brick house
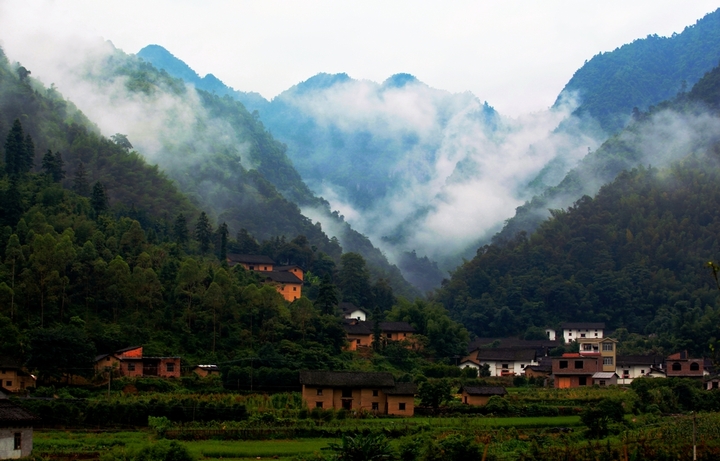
(360, 333)
(479, 395)
(287, 280)
(374, 392)
(575, 370)
(16, 431)
(131, 362)
(13, 377)
(206, 370)
(681, 365)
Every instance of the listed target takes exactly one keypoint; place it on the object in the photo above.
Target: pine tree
(15, 150)
(80, 184)
(53, 165)
(28, 160)
(223, 238)
(203, 232)
(327, 299)
(98, 201)
(180, 230)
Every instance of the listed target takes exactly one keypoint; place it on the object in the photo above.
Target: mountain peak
(163, 59)
(400, 80)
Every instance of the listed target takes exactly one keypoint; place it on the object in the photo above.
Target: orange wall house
(206, 370)
(287, 280)
(286, 283)
(479, 395)
(360, 333)
(14, 379)
(373, 392)
(251, 262)
(131, 362)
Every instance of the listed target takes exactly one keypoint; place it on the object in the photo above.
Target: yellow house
(354, 390)
(14, 379)
(479, 395)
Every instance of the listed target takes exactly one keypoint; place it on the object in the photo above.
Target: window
(587, 347)
(676, 366)
(375, 406)
(107, 359)
(318, 404)
(607, 360)
(357, 341)
(252, 268)
(131, 367)
(583, 381)
(626, 373)
(694, 366)
(265, 268)
(389, 335)
(602, 382)
(8, 383)
(563, 363)
(578, 364)
(170, 367)
(319, 392)
(504, 366)
(642, 372)
(376, 392)
(570, 334)
(608, 347)
(715, 385)
(401, 406)
(582, 335)
(347, 393)
(17, 445)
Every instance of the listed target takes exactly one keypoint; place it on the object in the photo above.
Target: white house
(576, 331)
(630, 367)
(502, 362)
(351, 311)
(16, 431)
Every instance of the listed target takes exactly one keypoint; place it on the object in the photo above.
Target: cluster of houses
(595, 363)
(287, 280)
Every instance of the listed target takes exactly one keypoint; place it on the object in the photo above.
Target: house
(13, 377)
(712, 383)
(630, 367)
(575, 370)
(16, 431)
(541, 346)
(351, 311)
(130, 362)
(543, 369)
(375, 392)
(286, 283)
(605, 378)
(606, 347)
(206, 370)
(360, 333)
(681, 365)
(502, 361)
(479, 395)
(551, 334)
(251, 262)
(574, 331)
(287, 280)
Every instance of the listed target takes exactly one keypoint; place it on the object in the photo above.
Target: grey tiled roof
(484, 390)
(402, 389)
(346, 379)
(250, 259)
(11, 414)
(280, 277)
(582, 326)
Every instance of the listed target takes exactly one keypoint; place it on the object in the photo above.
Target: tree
(80, 183)
(223, 237)
(19, 151)
(53, 166)
(435, 392)
(59, 351)
(180, 230)
(327, 299)
(13, 258)
(361, 447)
(354, 280)
(246, 243)
(122, 141)
(598, 417)
(203, 232)
(98, 200)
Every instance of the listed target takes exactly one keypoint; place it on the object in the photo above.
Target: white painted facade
(551, 334)
(575, 334)
(357, 314)
(15, 443)
(501, 368)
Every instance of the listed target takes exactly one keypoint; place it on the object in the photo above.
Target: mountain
(424, 173)
(634, 256)
(644, 72)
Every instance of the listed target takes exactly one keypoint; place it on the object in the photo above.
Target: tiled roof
(348, 308)
(647, 360)
(286, 268)
(396, 326)
(402, 389)
(358, 328)
(541, 345)
(11, 414)
(582, 326)
(346, 379)
(604, 375)
(250, 259)
(281, 277)
(484, 390)
(510, 355)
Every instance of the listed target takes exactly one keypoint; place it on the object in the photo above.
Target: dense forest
(99, 251)
(644, 72)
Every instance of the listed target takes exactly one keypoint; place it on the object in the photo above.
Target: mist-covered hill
(645, 72)
(219, 154)
(424, 173)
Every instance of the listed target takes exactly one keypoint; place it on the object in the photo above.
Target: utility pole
(694, 444)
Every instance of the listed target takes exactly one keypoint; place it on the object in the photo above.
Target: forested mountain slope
(669, 131)
(645, 72)
(219, 154)
(635, 257)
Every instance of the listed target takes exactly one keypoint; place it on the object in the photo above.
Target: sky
(516, 55)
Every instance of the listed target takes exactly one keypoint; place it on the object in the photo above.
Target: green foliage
(433, 393)
(362, 448)
(164, 451)
(598, 417)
